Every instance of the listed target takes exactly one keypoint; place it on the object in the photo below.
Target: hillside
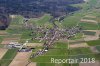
(35, 8)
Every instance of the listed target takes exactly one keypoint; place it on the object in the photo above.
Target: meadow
(8, 57)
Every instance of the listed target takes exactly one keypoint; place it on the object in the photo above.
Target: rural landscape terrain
(32, 32)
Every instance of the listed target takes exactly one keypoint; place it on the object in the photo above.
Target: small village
(28, 41)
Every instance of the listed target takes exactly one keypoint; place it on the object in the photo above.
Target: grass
(99, 25)
(78, 51)
(8, 57)
(97, 56)
(34, 41)
(61, 45)
(15, 30)
(2, 46)
(98, 48)
(43, 21)
(77, 36)
(52, 64)
(89, 33)
(58, 52)
(16, 25)
(30, 41)
(71, 20)
(45, 64)
(62, 53)
(26, 34)
(89, 26)
(1, 38)
(17, 20)
(93, 3)
(73, 64)
(93, 43)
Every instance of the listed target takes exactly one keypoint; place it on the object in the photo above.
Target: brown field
(2, 52)
(89, 16)
(8, 40)
(97, 63)
(91, 21)
(21, 59)
(32, 64)
(34, 44)
(89, 38)
(78, 45)
(3, 33)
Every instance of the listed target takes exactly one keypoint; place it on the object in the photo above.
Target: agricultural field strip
(91, 21)
(78, 46)
(72, 55)
(7, 59)
(96, 23)
(2, 52)
(19, 58)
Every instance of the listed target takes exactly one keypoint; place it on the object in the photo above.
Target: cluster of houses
(49, 36)
(55, 34)
(73, 31)
(47, 44)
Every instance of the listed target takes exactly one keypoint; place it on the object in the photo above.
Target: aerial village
(34, 41)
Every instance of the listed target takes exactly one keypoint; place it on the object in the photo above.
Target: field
(1, 38)
(59, 51)
(42, 21)
(89, 26)
(6, 41)
(51, 64)
(8, 57)
(3, 33)
(78, 45)
(78, 51)
(90, 64)
(89, 33)
(93, 43)
(33, 64)
(77, 36)
(2, 52)
(98, 48)
(21, 59)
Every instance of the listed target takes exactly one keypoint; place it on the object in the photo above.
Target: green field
(42, 21)
(58, 51)
(81, 53)
(8, 57)
(93, 43)
(77, 36)
(17, 20)
(98, 48)
(89, 26)
(97, 56)
(89, 33)
(51, 64)
(72, 20)
(1, 38)
(78, 51)
(2, 46)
